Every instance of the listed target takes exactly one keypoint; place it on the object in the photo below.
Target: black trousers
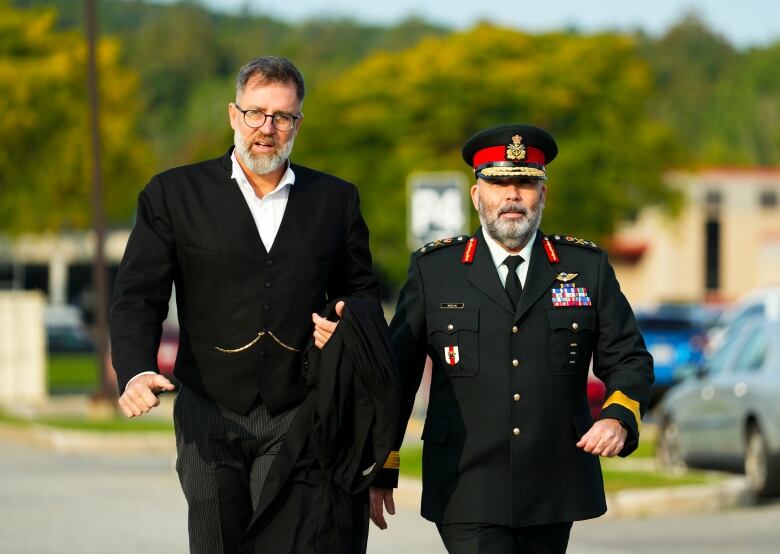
(223, 460)
(475, 538)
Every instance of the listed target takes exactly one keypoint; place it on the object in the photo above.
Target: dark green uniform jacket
(508, 396)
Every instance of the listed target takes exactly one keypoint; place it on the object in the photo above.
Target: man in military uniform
(511, 318)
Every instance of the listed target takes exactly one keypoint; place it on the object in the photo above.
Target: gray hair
(270, 69)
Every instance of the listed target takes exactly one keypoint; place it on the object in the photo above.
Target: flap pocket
(582, 423)
(452, 321)
(436, 429)
(573, 319)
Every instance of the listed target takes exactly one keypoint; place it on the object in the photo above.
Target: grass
(646, 448)
(72, 373)
(614, 479)
(117, 423)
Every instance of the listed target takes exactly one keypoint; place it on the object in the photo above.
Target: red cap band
(498, 154)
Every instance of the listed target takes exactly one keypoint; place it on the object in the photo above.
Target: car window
(723, 355)
(752, 353)
(748, 316)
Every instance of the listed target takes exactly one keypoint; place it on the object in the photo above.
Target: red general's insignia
(549, 249)
(468, 253)
(451, 354)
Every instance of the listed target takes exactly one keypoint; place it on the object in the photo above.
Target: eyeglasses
(281, 121)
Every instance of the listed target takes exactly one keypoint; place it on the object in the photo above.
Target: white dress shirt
(268, 210)
(498, 254)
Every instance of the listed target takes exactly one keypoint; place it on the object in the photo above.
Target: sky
(745, 23)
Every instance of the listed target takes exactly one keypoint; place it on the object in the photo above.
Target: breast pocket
(454, 335)
(570, 340)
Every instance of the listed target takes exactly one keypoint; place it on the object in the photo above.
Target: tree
(743, 119)
(44, 136)
(411, 111)
(689, 62)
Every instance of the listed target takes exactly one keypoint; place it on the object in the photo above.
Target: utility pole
(99, 279)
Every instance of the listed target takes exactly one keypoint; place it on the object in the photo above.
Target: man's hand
(323, 329)
(605, 438)
(141, 392)
(379, 499)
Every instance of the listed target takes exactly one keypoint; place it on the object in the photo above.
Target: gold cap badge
(516, 150)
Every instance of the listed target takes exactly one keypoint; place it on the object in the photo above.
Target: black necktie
(513, 286)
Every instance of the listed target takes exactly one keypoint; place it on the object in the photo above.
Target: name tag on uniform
(452, 306)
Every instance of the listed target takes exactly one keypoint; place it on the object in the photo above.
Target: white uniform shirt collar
(498, 254)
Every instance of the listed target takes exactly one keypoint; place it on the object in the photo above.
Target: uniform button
(514, 329)
(268, 284)
(515, 431)
(267, 308)
(516, 397)
(515, 363)
(450, 327)
(269, 262)
(575, 325)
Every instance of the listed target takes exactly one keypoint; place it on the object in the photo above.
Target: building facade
(724, 242)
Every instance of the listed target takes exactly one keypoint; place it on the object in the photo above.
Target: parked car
(758, 302)
(676, 336)
(169, 347)
(65, 330)
(596, 395)
(727, 415)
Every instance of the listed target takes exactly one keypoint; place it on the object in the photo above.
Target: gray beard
(513, 235)
(261, 164)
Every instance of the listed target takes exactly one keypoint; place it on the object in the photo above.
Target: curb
(70, 441)
(685, 499)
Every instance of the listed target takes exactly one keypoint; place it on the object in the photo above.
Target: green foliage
(382, 102)
(397, 113)
(724, 105)
(45, 149)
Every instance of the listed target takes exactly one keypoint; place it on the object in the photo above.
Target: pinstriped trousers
(223, 458)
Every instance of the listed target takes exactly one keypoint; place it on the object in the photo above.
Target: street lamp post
(106, 390)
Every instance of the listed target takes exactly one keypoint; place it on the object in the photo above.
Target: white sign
(437, 207)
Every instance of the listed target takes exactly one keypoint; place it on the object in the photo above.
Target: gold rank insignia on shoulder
(516, 150)
(566, 239)
(431, 246)
(566, 277)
